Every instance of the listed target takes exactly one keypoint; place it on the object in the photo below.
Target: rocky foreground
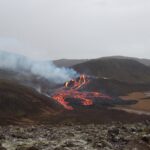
(116, 136)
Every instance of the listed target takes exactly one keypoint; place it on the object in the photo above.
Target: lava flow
(72, 89)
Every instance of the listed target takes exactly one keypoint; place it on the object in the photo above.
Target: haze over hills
(24, 65)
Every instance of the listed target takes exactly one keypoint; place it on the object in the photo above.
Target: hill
(141, 60)
(19, 103)
(72, 62)
(119, 69)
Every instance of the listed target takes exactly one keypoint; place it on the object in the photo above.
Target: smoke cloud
(46, 69)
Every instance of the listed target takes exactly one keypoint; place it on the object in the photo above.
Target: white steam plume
(45, 69)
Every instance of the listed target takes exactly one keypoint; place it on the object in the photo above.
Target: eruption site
(73, 89)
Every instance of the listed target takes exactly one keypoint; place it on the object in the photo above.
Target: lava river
(72, 89)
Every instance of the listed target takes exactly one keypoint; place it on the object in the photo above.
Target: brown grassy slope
(101, 115)
(17, 101)
(143, 103)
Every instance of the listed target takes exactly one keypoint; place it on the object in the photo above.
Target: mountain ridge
(120, 69)
(72, 62)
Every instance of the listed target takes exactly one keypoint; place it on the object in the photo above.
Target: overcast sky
(52, 29)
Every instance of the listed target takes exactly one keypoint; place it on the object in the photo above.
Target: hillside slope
(18, 102)
(120, 69)
(72, 62)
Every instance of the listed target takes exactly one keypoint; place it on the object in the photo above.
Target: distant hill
(72, 62)
(141, 60)
(127, 70)
(68, 62)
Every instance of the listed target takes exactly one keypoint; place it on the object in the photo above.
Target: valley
(106, 107)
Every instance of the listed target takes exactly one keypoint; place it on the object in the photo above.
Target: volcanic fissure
(73, 90)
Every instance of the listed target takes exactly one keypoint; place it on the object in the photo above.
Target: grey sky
(75, 28)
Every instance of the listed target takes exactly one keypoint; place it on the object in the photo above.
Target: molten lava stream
(61, 100)
(78, 83)
(70, 90)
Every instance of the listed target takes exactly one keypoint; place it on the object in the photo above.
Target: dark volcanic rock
(26, 148)
(2, 148)
(115, 136)
(146, 138)
(136, 145)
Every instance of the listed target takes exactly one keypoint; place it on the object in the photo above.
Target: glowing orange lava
(78, 83)
(71, 90)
